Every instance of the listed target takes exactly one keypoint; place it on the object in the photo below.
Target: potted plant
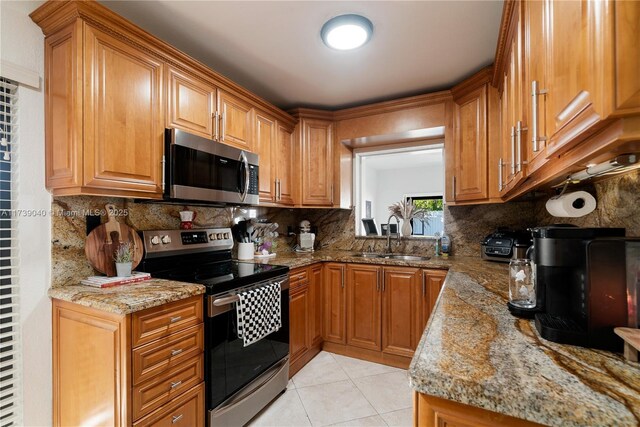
(123, 256)
(406, 211)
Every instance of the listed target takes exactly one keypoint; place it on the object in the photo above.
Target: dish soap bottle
(445, 246)
(438, 243)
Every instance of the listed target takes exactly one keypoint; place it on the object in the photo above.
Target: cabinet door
(470, 147)
(264, 146)
(298, 321)
(428, 292)
(123, 116)
(333, 311)
(317, 163)
(315, 305)
(363, 306)
(191, 103)
(236, 121)
(399, 309)
(283, 165)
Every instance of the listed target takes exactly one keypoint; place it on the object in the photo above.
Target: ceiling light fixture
(346, 32)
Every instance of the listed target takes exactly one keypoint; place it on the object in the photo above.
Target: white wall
(394, 184)
(369, 189)
(22, 43)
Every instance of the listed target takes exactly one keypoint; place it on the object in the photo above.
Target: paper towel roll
(572, 205)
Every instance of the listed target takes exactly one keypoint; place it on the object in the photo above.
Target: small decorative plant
(124, 253)
(407, 210)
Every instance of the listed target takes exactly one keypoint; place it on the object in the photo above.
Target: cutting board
(103, 241)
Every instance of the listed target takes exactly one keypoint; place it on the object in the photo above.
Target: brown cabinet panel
(283, 162)
(63, 107)
(185, 411)
(159, 322)
(191, 103)
(317, 163)
(470, 146)
(363, 306)
(334, 303)
(627, 62)
(427, 295)
(123, 115)
(236, 121)
(315, 304)
(299, 322)
(399, 308)
(265, 148)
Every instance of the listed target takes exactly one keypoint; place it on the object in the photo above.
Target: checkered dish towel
(258, 313)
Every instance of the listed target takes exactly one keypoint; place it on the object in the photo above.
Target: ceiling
(273, 48)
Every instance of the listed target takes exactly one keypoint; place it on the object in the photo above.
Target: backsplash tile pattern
(618, 206)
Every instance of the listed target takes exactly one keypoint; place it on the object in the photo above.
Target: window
(10, 396)
(433, 222)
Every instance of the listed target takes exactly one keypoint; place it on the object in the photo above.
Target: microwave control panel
(253, 179)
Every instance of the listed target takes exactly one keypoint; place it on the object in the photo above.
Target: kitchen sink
(392, 256)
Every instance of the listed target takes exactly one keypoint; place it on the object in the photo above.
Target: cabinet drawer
(298, 277)
(152, 394)
(186, 411)
(154, 358)
(159, 322)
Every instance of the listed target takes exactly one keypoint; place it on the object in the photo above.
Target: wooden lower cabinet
(399, 310)
(363, 306)
(305, 315)
(430, 411)
(333, 296)
(427, 295)
(102, 377)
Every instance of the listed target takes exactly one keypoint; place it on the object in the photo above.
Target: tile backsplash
(618, 206)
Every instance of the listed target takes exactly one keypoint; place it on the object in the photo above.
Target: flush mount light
(346, 32)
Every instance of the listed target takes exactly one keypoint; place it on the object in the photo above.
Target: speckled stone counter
(127, 299)
(474, 352)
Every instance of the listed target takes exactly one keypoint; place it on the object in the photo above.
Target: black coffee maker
(581, 285)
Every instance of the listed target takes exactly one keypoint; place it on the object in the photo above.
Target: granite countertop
(127, 299)
(475, 352)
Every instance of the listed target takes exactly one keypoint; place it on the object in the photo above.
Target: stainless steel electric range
(239, 380)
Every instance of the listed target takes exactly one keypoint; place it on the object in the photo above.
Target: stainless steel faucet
(389, 232)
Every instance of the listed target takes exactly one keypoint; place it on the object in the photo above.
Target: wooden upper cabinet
(123, 116)
(363, 306)
(333, 295)
(265, 148)
(283, 165)
(316, 146)
(470, 146)
(236, 121)
(191, 103)
(399, 310)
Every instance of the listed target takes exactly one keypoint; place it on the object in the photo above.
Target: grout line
(306, 414)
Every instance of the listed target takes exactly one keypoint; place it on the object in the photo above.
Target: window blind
(10, 363)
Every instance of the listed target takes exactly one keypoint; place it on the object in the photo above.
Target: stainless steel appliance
(581, 281)
(202, 170)
(239, 380)
(503, 245)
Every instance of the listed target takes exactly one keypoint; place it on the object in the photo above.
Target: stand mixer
(306, 239)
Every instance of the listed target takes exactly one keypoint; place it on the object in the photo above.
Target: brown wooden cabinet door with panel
(315, 304)
(191, 103)
(305, 315)
(333, 311)
(428, 292)
(316, 174)
(364, 288)
(123, 116)
(236, 121)
(283, 164)
(265, 147)
(399, 310)
(299, 321)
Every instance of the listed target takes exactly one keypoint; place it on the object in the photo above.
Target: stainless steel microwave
(201, 170)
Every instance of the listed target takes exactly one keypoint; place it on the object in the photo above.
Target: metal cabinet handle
(513, 150)
(378, 280)
(279, 190)
(383, 282)
(535, 139)
(424, 285)
(163, 162)
(216, 125)
(519, 130)
(342, 269)
(453, 184)
(500, 166)
(175, 384)
(176, 418)
(175, 319)
(224, 126)
(176, 352)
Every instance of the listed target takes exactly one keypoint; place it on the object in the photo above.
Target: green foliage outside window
(431, 205)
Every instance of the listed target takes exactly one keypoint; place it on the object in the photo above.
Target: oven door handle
(245, 164)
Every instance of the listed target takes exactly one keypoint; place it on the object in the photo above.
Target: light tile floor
(342, 391)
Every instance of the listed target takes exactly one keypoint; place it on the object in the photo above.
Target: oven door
(204, 170)
(229, 366)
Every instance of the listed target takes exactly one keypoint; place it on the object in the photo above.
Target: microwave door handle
(245, 163)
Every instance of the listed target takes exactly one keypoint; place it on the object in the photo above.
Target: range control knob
(212, 236)
(165, 239)
(155, 240)
(226, 236)
(220, 236)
